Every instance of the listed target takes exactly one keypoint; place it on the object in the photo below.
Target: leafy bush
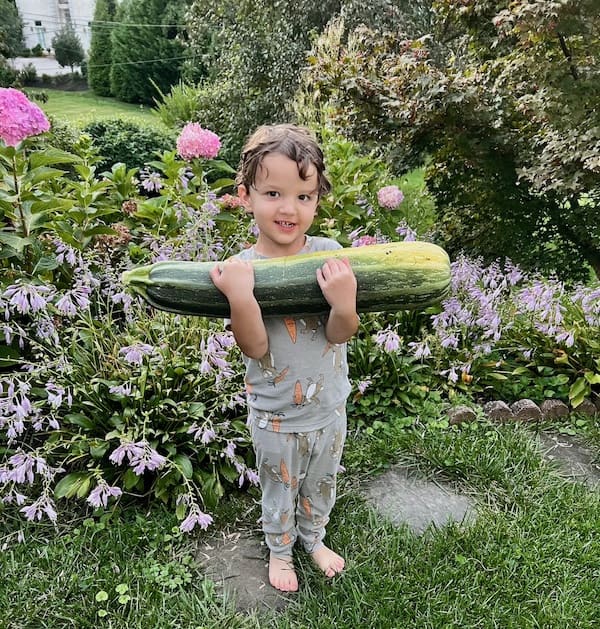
(8, 76)
(128, 142)
(179, 106)
(101, 395)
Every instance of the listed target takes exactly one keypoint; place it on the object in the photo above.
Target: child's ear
(244, 195)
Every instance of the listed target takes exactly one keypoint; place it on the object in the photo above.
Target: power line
(101, 23)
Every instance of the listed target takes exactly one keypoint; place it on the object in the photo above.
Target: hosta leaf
(71, 484)
(184, 464)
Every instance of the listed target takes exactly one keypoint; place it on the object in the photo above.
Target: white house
(43, 19)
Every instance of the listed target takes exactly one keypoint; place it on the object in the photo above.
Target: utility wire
(91, 22)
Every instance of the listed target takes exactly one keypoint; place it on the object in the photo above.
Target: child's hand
(234, 278)
(338, 284)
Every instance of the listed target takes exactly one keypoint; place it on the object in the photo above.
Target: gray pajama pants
(298, 480)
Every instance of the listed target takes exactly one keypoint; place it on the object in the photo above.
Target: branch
(568, 55)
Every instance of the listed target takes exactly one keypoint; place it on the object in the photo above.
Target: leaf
(45, 263)
(79, 419)
(130, 479)
(43, 173)
(14, 242)
(578, 391)
(101, 596)
(184, 464)
(592, 378)
(71, 484)
(51, 156)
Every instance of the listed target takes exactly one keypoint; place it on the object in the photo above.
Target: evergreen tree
(143, 51)
(11, 30)
(67, 47)
(101, 48)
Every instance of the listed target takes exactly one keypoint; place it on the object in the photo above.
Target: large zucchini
(390, 277)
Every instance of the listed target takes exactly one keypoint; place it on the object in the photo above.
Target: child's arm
(235, 279)
(338, 283)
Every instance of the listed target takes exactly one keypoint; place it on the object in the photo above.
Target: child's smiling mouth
(286, 224)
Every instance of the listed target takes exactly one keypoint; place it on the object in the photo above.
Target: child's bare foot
(329, 562)
(282, 575)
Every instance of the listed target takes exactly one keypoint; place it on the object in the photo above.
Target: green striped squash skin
(390, 277)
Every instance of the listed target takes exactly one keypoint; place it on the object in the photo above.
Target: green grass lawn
(84, 106)
(530, 560)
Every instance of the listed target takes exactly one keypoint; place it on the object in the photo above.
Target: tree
(67, 48)
(146, 49)
(11, 30)
(502, 98)
(100, 56)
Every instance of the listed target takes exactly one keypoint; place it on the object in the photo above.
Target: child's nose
(288, 204)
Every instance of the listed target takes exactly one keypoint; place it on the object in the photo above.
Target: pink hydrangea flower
(19, 117)
(390, 197)
(194, 141)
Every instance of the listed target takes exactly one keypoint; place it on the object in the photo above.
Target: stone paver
(575, 459)
(417, 502)
(238, 564)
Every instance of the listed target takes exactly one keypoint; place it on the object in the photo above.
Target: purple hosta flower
(364, 203)
(23, 467)
(15, 497)
(185, 176)
(19, 117)
(195, 518)
(363, 241)
(56, 394)
(513, 273)
(566, 338)
(126, 449)
(26, 298)
(134, 354)
(388, 339)
(410, 235)
(543, 301)
(452, 374)
(141, 456)
(101, 493)
(589, 301)
(35, 511)
(390, 197)
(252, 477)
(123, 298)
(46, 330)
(151, 181)
(210, 206)
(229, 450)
(214, 352)
(449, 341)
(196, 142)
(121, 389)
(253, 230)
(420, 349)
(65, 253)
(204, 433)
(363, 385)
(66, 306)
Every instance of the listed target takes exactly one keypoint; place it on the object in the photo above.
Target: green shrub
(127, 142)
(8, 76)
(179, 106)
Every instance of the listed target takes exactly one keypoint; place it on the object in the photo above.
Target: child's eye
(305, 197)
(273, 194)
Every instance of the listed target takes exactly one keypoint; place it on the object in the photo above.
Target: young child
(296, 370)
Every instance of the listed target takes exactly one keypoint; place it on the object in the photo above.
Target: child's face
(284, 205)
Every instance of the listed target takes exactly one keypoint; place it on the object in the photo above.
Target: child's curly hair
(296, 143)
